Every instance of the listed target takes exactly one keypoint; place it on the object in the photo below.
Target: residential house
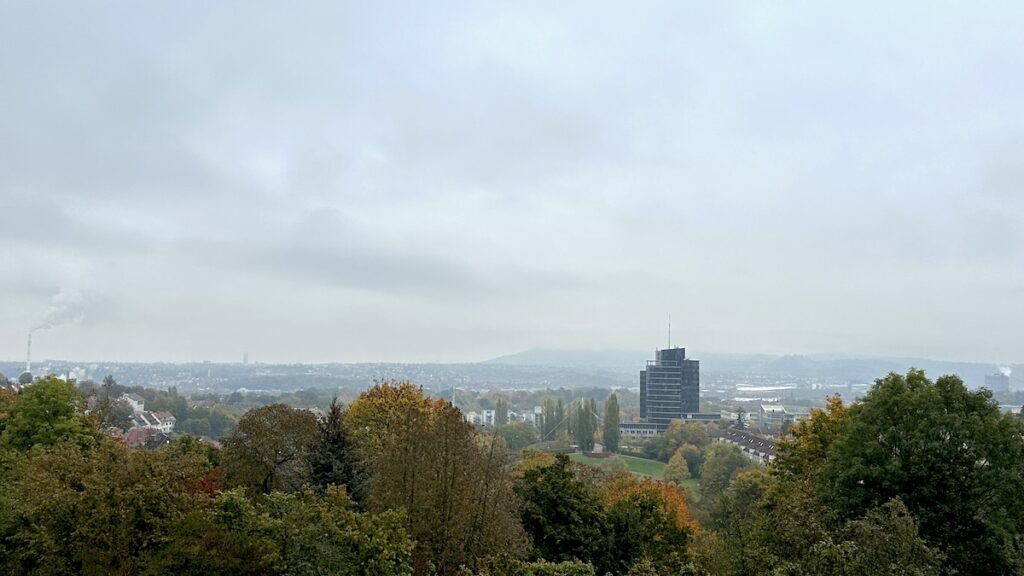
(137, 437)
(161, 421)
(138, 403)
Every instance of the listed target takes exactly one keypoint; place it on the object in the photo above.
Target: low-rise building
(777, 415)
(487, 417)
(138, 403)
(638, 430)
(797, 413)
(772, 414)
(161, 421)
(644, 430)
(753, 446)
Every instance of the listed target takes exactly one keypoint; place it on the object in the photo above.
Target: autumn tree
(649, 522)
(511, 567)
(104, 510)
(547, 420)
(678, 433)
(500, 412)
(371, 418)
(945, 452)
(767, 523)
(677, 469)
(46, 413)
(111, 412)
(721, 463)
(884, 541)
(584, 425)
(518, 436)
(324, 536)
(288, 534)
(269, 449)
(807, 449)
(563, 515)
(530, 459)
(730, 542)
(613, 464)
(553, 418)
(7, 401)
(919, 477)
(452, 483)
(116, 414)
(611, 424)
(693, 457)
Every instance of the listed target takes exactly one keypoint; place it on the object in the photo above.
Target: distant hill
(616, 360)
(833, 366)
(530, 369)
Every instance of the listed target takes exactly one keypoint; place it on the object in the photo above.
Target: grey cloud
(36, 219)
(321, 247)
(781, 176)
(338, 266)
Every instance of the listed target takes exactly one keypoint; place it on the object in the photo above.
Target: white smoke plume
(66, 307)
(1005, 370)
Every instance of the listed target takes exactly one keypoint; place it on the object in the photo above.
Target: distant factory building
(998, 383)
(777, 415)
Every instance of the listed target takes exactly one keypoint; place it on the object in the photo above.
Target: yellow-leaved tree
(454, 486)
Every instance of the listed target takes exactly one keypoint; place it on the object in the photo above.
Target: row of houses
(755, 447)
(147, 428)
(162, 421)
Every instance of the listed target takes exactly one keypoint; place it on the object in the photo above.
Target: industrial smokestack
(28, 357)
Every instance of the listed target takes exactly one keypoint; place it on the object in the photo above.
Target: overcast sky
(427, 181)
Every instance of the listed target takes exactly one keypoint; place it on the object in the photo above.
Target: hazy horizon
(451, 182)
(642, 356)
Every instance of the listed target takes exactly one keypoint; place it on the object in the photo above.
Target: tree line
(918, 477)
(396, 483)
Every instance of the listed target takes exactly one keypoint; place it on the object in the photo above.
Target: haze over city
(453, 182)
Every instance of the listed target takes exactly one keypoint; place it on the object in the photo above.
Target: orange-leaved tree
(650, 523)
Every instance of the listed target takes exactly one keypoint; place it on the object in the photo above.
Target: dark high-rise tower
(669, 387)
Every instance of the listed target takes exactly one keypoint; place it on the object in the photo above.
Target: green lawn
(641, 467)
(692, 487)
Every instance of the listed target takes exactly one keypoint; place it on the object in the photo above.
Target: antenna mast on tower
(669, 331)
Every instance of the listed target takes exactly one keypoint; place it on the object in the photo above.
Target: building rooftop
(745, 439)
